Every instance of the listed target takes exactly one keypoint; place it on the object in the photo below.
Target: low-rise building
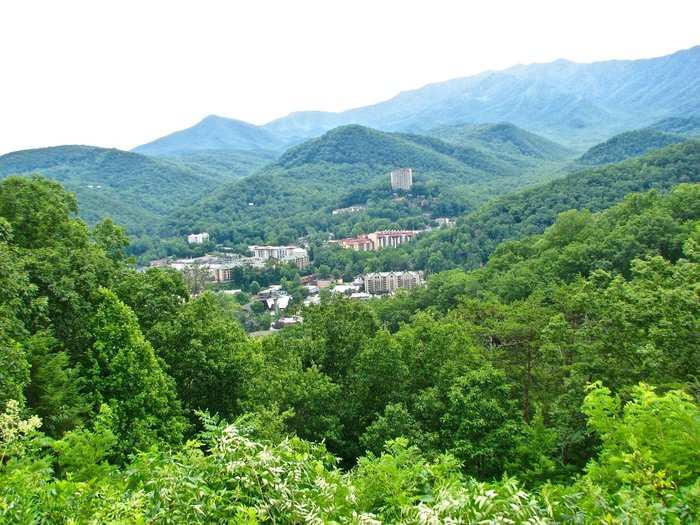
(349, 209)
(345, 289)
(218, 267)
(445, 222)
(198, 238)
(283, 322)
(360, 244)
(379, 240)
(388, 282)
(296, 256)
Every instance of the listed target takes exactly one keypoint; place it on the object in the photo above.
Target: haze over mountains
(575, 104)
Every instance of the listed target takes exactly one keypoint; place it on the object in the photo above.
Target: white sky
(120, 73)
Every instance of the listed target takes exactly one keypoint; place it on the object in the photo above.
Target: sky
(122, 73)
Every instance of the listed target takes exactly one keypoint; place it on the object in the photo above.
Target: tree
(201, 346)
(196, 276)
(125, 374)
(340, 326)
(481, 423)
(40, 211)
(652, 442)
(156, 295)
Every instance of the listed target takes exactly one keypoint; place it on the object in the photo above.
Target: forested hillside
(687, 125)
(223, 164)
(629, 144)
(524, 213)
(557, 384)
(132, 189)
(575, 104)
(293, 196)
(503, 139)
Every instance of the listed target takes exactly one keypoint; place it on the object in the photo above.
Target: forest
(526, 212)
(555, 382)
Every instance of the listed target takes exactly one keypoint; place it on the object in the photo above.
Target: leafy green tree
(652, 442)
(40, 211)
(394, 422)
(54, 390)
(156, 295)
(112, 239)
(201, 346)
(340, 326)
(125, 374)
(14, 371)
(481, 423)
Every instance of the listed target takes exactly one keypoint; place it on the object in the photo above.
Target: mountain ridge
(133, 189)
(576, 104)
(213, 133)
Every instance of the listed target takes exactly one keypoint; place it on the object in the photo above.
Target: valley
(476, 302)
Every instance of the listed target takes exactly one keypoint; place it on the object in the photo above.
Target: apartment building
(388, 282)
(378, 240)
(360, 244)
(286, 254)
(402, 179)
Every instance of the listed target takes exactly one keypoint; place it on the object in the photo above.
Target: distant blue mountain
(577, 105)
(214, 133)
(569, 102)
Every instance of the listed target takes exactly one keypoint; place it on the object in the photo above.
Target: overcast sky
(121, 73)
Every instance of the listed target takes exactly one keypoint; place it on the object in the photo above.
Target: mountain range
(575, 104)
(463, 138)
(350, 165)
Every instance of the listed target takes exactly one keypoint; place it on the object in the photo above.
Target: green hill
(503, 139)
(223, 163)
(530, 211)
(686, 125)
(628, 145)
(133, 189)
(293, 196)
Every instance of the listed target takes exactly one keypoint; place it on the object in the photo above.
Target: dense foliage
(629, 144)
(350, 165)
(134, 190)
(470, 244)
(568, 361)
(503, 140)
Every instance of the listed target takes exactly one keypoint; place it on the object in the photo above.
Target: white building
(286, 254)
(388, 282)
(268, 252)
(349, 209)
(197, 238)
(402, 179)
(219, 268)
(445, 222)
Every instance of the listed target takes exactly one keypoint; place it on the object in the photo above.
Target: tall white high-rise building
(402, 179)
